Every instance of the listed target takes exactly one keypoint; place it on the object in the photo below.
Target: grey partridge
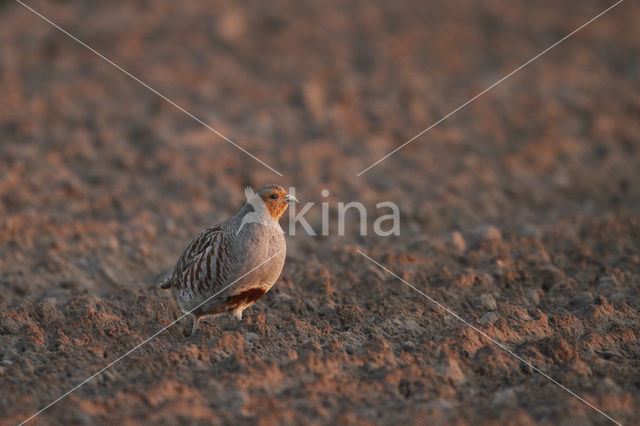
(245, 253)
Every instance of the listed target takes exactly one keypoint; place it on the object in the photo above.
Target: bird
(229, 266)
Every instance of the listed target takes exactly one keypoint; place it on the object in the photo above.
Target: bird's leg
(194, 327)
(237, 313)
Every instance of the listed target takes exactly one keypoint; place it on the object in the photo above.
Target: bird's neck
(257, 217)
(247, 208)
(248, 213)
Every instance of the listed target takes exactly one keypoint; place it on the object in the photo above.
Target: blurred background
(103, 183)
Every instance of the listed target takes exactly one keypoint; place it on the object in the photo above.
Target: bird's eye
(274, 196)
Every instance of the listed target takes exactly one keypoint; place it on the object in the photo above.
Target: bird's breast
(262, 250)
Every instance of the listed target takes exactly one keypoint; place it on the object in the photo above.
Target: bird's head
(276, 199)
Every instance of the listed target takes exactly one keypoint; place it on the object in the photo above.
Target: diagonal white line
(143, 342)
(500, 345)
(150, 88)
(492, 86)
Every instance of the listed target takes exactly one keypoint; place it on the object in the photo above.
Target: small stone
(456, 240)
(618, 298)
(505, 398)
(607, 280)
(112, 242)
(486, 302)
(438, 405)
(534, 296)
(110, 274)
(609, 385)
(326, 309)
(196, 364)
(49, 310)
(408, 326)
(488, 278)
(250, 337)
(408, 346)
(9, 325)
(451, 369)
(607, 285)
(489, 318)
(582, 299)
(487, 233)
(232, 25)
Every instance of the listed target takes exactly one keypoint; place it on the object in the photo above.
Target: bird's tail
(167, 283)
(165, 280)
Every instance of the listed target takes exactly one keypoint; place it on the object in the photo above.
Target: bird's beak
(290, 199)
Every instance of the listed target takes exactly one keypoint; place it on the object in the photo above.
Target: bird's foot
(194, 326)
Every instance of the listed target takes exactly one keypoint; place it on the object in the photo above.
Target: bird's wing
(206, 264)
(195, 249)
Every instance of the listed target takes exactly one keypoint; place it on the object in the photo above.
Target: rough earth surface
(521, 213)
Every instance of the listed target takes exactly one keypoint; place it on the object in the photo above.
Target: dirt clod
(520, 212)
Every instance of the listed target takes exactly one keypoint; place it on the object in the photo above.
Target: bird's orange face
(276, 199)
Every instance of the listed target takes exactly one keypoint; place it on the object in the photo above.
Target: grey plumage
(224, 253)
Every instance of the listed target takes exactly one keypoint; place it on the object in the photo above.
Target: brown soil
(521, 212)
